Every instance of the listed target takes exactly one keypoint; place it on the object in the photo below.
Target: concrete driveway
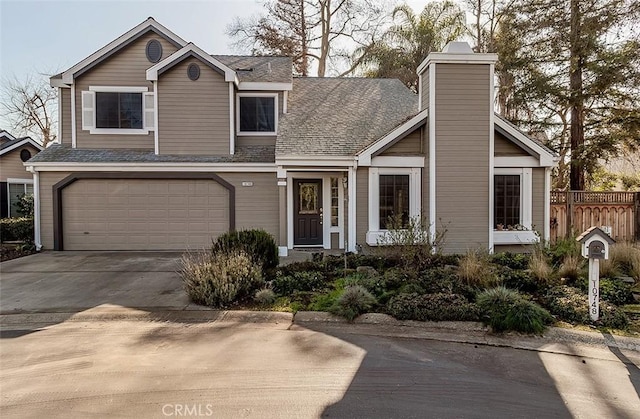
(75, 281)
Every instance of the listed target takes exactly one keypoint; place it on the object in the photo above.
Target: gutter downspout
(36, 207)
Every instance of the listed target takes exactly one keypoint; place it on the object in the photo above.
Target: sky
(50, 36)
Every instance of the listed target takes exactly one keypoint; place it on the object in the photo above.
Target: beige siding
(257, 206)
(409, 145)
(125, 68)
(462, 154)
(65, 103)
(47, 180)
(11, 165)
(537, 200)
(424, 94)
(505, 147)
(193, 115)
(362, 205)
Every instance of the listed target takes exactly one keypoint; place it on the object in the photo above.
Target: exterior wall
(11, 165)
(504, 147)
(462, 117)
(47, 180)
(256, 206)
(126, 68)
(65, 102)
(424, 94)
(193, 116)
(537, 200)
(362, 205)
(261, 140)
(409, 145)
(248, 214)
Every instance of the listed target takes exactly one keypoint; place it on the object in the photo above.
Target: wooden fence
(576, 211)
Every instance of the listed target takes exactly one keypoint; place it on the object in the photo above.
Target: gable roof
(341, 116)
(548, 157)
(191, 50)
(66, 77)
(11, 145)
(5, 135)
(594, 231)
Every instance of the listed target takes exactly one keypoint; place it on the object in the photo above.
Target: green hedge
(256, 243)
(434, 307)
(16, 229)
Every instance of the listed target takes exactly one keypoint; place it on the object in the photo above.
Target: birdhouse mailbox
(595, 246)
(595, 243)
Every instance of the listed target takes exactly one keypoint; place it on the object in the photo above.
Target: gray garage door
(143, 214)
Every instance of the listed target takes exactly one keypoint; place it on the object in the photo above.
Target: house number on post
(595, 246)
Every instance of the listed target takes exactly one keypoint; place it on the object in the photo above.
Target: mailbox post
(595, 246)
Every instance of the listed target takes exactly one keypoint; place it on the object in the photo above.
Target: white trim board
(25, 141)
(547, 159)
(275, 116)
(152, 167)
(270, 86)
(190, 50)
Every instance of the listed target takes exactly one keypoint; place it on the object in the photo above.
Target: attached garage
(156, 212)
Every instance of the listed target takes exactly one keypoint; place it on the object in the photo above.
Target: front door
(307, 216)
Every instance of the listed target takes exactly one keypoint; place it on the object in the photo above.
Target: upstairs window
(257, 114)
(119, 110)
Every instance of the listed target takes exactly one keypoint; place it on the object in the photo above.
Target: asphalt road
(266, 370)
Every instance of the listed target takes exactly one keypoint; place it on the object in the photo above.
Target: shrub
(539, 266)
(445, 280)
(220, 279)
(298, 281)
(474, 268)
(16, 229)
(511, 260)
(627, 258)
(613, 290)
(374, 284)
(562, 248)
(609, 268)
(572, 305)
(264, 297)
(435, 307)
(324, 302)
(395, 278)
(518, 280)
(572, 267)
(258, 244)
(504, 309)
(353, 301)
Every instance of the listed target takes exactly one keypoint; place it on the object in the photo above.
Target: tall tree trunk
(478, 30)
(577, 100)
(325, 16)
(304, 68)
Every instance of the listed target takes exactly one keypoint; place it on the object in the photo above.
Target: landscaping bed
(10, 251)
(507, 291)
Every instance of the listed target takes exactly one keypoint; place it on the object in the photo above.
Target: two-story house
(163, 146)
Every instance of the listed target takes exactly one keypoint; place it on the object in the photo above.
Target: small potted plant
(500, 227)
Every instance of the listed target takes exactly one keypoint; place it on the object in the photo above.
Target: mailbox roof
(594, 231)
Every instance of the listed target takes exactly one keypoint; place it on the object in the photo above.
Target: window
(16, 191)
(335, 201)
(394, 192)
(257, 114)
(118, 110)
(507, 198)
(394, 200)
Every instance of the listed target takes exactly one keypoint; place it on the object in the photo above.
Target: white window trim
(526, 190)
(375, 235)
(257, 133)
(15, 181)
(119, 131)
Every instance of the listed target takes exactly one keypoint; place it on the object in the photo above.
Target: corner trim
(58, 234)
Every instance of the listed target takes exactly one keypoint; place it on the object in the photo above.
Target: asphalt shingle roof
(259, 69)
(10, 143)
(341, 116)
(66, 154)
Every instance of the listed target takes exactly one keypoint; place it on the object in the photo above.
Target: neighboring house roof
(11, 145)
(4, 135)
(340, 116)
(259, 69)
(65, 154)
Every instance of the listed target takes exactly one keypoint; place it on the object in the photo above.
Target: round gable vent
(25, 154)
(193, 71)
(154, 50)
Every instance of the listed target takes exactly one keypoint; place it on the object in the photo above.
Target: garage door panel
(143, 214)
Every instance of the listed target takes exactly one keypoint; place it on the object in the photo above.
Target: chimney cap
(457, 48)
